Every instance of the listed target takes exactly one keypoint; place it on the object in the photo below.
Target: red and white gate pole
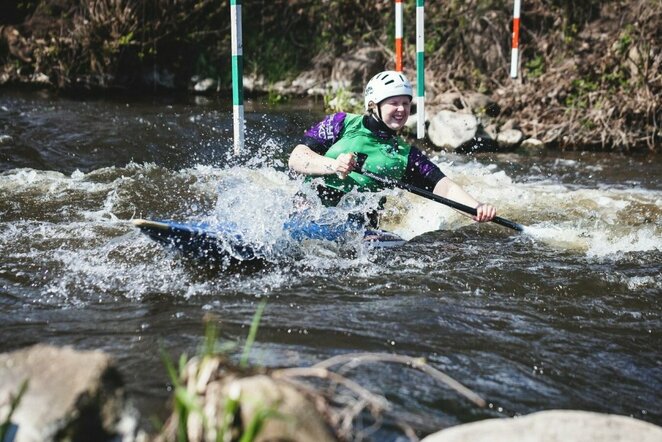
(398, 35)
(515, 43)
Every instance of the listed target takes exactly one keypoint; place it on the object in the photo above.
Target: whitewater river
(567, 315)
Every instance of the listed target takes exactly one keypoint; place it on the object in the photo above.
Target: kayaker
(329, 149)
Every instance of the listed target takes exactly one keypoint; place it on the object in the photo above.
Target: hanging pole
(515, 43)
(420, 69)
(398, 35)
(237, 76)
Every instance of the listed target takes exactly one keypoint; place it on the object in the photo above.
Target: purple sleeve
(324, 134)
(421, 172)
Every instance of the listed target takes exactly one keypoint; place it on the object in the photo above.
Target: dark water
(567, 315)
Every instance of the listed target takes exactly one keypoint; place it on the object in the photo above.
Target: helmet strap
(377, 115)
(374, 122)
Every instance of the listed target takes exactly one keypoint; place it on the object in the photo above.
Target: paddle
(390, 182)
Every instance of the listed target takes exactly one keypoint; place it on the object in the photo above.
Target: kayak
(224, 243)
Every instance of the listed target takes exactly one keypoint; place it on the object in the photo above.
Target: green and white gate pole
(237, 76)
(420, 69)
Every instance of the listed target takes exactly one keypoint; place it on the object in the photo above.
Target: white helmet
(386, 84)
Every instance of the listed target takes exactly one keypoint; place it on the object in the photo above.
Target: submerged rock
(532, 145)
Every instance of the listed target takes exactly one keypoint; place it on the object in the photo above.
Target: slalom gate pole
(237, 76)
(515, 43)
(398, 35)
(420, 69)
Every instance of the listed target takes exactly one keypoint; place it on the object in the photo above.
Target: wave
(75, 228)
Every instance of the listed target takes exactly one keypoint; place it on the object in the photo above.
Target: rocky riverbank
(589, 71)
(49, 393)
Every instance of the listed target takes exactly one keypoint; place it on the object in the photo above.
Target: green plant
(274, 97)
(230, 410)
(211, 345)
(126, 39)
(535, 66)
(255, 425)
(342, 100)
(578, 96)
(187, 403)
(616, 80)
(570, 33)
(252, 333)
(624, 39)
(270, 57)
(587, 123)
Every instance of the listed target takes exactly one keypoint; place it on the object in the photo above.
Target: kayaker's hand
(485, 212)
(345, 163)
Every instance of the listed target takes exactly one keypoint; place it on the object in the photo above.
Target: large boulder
(71, 395)
(553, 426)
(450, 130)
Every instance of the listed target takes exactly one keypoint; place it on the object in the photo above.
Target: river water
(566, 315)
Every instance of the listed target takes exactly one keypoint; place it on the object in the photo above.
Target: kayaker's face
(395, 111)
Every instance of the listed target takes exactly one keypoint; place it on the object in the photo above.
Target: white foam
(642, 239)
(642, 282)
(596, 221)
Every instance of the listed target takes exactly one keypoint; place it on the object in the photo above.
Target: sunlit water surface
(566, 315)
